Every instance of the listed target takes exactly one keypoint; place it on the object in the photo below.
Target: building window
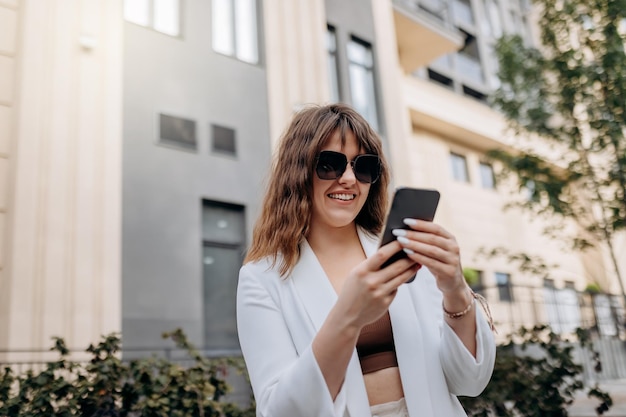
(437, 8)
(472, 71)
(458, 164)
(562, 307)
(503, 281)
(234, 28)
(530, 191)
(487, 179)
(468, 61)
(440, 78)
(492, 22)
(475, 280)
(160, 15)
(177, 131)
(223, 140)
(463, 14)
(223, 242)
(362, 88)
(471, 92)
(333, 64)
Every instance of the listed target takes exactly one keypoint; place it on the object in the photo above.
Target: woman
(324, 330)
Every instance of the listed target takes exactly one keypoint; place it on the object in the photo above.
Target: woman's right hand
(369, 290)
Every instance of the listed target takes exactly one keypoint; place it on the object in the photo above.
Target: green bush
(108, 387)
(535, 384)
(534, 375)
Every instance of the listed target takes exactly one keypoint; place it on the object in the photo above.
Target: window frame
(150, 21)
(458, 156)
(333, 64)
(493, 184)
(233, 34)
(172, 143)
(223, 152)
(505, 293)
(371, 113)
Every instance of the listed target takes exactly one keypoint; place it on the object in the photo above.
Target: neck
(325, 238)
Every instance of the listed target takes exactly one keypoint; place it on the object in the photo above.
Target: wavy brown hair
(286, 212)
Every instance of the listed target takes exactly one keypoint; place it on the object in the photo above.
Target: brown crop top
(375, 346)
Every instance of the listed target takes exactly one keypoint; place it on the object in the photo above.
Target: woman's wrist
(342, 322)
(458, 300)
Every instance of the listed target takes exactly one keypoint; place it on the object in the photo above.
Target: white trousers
(391, 409)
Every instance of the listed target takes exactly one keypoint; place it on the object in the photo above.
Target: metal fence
(512, 307)
(565, 310)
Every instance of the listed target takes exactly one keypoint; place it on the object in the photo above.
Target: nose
(348, 176)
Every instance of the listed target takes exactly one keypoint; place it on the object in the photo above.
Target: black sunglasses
(331, 165)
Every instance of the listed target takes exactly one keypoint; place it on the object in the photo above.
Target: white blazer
(277, 319)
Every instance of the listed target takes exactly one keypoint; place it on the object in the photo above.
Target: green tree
(571, 93)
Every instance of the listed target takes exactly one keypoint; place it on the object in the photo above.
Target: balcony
(423, 32)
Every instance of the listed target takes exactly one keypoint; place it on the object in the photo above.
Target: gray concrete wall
(163, 186)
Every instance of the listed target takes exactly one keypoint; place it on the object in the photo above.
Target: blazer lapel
(318, 297)
(314, 289)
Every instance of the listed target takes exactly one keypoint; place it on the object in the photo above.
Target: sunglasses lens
(367, 168)
(331, 165)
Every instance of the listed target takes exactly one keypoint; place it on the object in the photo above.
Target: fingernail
(410, 222)
(403, 240)
(398, 232)
(407, 250)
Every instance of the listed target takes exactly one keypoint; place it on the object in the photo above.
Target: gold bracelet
(460, 313)
(483, 303)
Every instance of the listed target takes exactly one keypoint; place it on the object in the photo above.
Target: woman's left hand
(434, 247)
(431, 245)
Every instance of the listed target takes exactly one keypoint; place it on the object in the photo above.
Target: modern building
(135, 137)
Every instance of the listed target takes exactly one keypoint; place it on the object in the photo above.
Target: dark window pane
(176, 130)
(223, 139)
(223, 223)
(504, 286)
(440, 78)
(474, 93)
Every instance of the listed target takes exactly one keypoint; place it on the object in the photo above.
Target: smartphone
(413, 203)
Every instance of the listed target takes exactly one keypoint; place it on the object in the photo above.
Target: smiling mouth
(342, 197)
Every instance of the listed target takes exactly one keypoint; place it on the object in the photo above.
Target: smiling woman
(324, 328)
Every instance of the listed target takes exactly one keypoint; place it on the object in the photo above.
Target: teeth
(344, 197)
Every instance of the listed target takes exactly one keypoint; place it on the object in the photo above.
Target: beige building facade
(60, 171)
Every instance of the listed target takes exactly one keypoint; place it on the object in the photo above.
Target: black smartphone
(413, 203)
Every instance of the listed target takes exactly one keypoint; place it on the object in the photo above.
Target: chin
(340, 223)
